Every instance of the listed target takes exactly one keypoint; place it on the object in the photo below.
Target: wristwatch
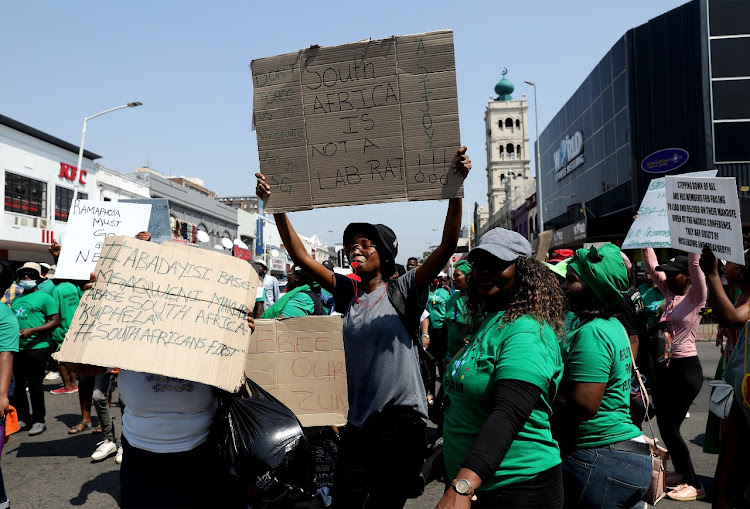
(462, 487)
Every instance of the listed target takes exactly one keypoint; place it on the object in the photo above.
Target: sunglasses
(362, 245)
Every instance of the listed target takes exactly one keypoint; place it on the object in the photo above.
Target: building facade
(677, 87)
(193, 210)
(508, 156)
(39, 175)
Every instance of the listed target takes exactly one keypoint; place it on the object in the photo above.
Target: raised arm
(725, 312)
(293, 244)
(434, 263)
(649, 259)
(698, 290)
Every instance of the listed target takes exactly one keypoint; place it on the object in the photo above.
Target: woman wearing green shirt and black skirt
(500, 387)
(607, 462)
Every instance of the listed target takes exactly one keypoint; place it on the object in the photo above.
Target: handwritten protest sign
(705, 212)
(166, 309)
(89, 223)
(651, 228)
(367, 122)
(301, 362)
(545, 239)
(158, 223)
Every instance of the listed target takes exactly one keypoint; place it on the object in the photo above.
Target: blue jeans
(602, 477)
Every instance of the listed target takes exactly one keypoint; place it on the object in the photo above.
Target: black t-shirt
(632, 316)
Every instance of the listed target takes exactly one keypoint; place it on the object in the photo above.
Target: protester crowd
(540, 374)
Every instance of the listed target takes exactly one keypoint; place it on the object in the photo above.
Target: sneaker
(37, 428)
(686, 493)
(104, 450)
(118, 458)
(687, 415)
(52, 375)
(63, 390)
(674, 479)
(22, 425)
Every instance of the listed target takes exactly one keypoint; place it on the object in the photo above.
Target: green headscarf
(464, 266)
(603, 271)
(560, 268)
(278, 307)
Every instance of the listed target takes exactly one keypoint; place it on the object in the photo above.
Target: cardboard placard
(651, 228)
(89, 224)
(367, 122)
(158, 223)
(705, 212)
(301, 362)
(545, 239)
(166, 309)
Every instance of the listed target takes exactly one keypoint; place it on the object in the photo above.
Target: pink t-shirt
(682, 310)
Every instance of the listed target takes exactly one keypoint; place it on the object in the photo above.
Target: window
(508, 122)
(63, 199)
(502, 152)
(518, 124)
(500, 124)
(518, 151)
(24, 195)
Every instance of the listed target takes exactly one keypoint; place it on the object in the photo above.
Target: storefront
(39, 176)
(671, 96)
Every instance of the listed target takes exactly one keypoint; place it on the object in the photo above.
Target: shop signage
(569, 156)
(277, 264)
(259, 247)
(664, 160)
(69, 172)
(569, 234)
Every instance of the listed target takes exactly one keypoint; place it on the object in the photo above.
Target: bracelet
(424, 334)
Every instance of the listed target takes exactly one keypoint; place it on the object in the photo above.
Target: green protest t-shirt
(34, 310)
(67, 295)
(436, 305)
(455, 323)
(48, 286)
(9, 330)
(524, 350)
(300, 304)
(597, 351)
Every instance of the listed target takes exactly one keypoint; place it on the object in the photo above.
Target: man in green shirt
(437, 306)
(38, 315)
(67, 296)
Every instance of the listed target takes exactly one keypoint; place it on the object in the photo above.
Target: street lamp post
(539, 209)
(83, 139)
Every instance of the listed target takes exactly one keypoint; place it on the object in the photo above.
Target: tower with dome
(510, 188)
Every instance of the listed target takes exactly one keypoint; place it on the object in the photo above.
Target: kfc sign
(69, 172)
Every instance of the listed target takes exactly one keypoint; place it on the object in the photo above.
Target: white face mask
(27, 284)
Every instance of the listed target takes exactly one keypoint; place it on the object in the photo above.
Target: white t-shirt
(164, 414)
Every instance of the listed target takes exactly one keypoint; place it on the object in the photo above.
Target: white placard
(705, 212)
(89, 223)
(651, 229)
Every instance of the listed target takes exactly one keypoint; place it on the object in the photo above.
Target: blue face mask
(27, 284)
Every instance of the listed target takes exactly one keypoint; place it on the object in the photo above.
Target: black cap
(383, 237)
(677, 265)
(328, 264)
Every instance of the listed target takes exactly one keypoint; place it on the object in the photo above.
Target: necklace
(470, 346)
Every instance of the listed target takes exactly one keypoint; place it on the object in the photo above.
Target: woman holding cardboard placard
(382, 446)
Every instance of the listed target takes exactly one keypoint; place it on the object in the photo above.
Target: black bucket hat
(383, 237)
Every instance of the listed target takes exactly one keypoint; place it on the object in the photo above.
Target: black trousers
(674, 390)
(543, 491)
(191, 479)
(29, 370)
(378, 465)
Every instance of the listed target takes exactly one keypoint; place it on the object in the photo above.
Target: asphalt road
(54, 469)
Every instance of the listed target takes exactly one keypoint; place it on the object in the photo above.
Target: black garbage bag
(263, 446)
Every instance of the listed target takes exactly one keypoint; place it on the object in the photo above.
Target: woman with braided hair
(500, 386)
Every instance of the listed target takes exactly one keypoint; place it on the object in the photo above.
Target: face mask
(27, 284)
